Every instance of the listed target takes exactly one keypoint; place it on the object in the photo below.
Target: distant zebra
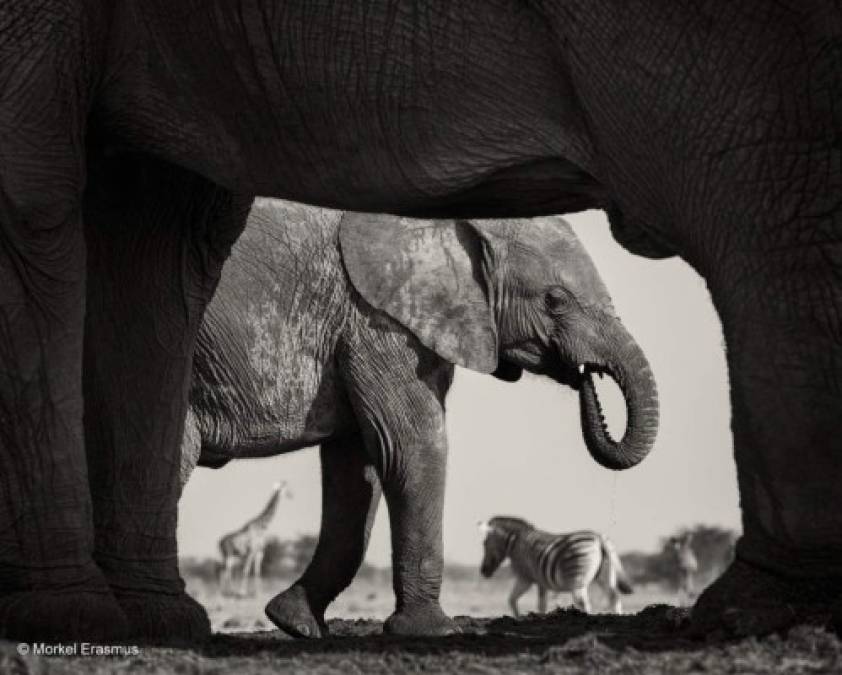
(686, 566)
(555, 562)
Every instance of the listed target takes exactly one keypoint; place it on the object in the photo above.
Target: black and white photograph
(399, 336)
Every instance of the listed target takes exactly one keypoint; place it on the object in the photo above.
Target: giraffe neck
(262, 520)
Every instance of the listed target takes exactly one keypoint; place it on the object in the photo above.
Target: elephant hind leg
(350, 495)
(781, 311)
(749, 600)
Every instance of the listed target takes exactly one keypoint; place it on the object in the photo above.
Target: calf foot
(423, 619)
(748, 600)
(294, 613)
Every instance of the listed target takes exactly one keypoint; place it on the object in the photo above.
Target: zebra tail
(617, 577)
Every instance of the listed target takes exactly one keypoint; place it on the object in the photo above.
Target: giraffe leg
(542, 600)
(258, 563)
(350, 494)
(244, 582)
(227, 578)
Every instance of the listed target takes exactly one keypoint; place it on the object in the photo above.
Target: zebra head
(499, 532)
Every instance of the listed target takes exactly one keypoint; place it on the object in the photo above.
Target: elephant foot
(748, 600)
(165, 619)
(66, 615)
(427, 620)
(293, 613)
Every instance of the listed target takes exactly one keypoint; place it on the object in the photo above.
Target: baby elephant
(343, 330)
(554, 562)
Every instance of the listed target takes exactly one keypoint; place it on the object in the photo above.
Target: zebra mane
(510, 524)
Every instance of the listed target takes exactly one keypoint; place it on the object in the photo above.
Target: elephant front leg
(397, 389)
(154, 259)
(50, 588)
(350, 495)
(414, 491)
(781, 318)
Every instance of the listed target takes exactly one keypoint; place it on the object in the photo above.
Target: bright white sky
(517, 449)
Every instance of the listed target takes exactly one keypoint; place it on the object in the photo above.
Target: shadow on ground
(565, 641)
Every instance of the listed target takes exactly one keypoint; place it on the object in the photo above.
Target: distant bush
(288, 557)
(206, 569)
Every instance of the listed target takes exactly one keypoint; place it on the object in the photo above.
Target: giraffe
(245, 545)
(685, 561)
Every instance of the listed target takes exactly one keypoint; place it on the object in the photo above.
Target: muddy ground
(564, 641)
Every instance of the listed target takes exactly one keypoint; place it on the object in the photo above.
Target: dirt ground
(563, 641)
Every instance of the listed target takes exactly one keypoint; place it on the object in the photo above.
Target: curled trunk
(630, 370)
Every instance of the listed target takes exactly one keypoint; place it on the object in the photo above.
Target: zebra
(555, 562)
(686, 566)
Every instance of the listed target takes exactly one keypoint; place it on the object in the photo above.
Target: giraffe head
(281, 488)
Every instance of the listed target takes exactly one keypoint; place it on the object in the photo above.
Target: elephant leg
(781, 319)
(350, 495)
(50, 588)
(157, 237)
(397, 390)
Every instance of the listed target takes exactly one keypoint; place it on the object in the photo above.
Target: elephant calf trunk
(634, 377)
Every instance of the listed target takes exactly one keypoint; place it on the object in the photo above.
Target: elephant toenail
(304, 629)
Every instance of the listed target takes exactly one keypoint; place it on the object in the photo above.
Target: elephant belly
(296, 408)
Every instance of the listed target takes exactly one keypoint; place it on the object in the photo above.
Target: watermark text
(76, 649)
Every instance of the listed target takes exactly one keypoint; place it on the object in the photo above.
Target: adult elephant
(710, 130)
(342, 331)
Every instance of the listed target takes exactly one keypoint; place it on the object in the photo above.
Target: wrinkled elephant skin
(134, 135)
(343, 330)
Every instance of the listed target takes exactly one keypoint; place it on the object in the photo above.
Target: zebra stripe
(567, 562)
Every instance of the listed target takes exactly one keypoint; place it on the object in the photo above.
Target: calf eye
(556, 299)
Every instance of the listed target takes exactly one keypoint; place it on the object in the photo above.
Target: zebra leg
(542, 600)
(350, 495)
(581, 600)
(520, 587)
(614, 599)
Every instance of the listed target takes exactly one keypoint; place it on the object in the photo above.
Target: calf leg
(350, 494)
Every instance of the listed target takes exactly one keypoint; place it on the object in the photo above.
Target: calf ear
(432, 276)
